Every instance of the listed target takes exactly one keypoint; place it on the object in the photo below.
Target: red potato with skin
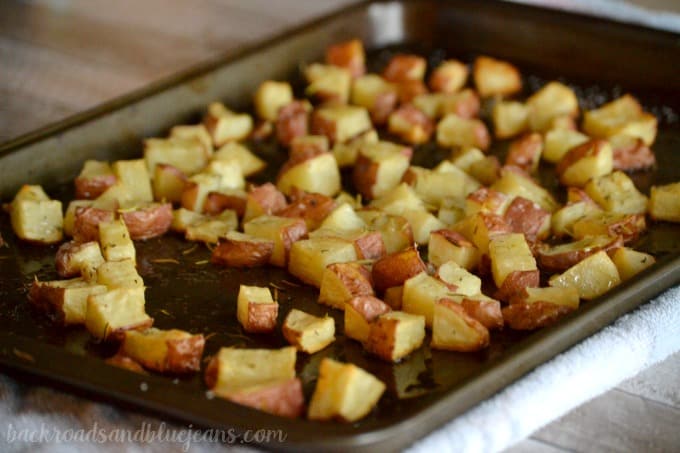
(283, 398)
(86, 225)
(342, 282)
(165, 351)
(349, 55)
(515, 282)
(218, 202)
(486, 311)
(632, 154)
(94, 179)
(241, 250)
(313, 208)
(453, 329)
(396, 268)
(524, 316)
(525, 216)
(149, 221)
(403, 68)
(360, 312)
(292, 121)
(74, 258)
(564, 256)
(448, 77)
(122, 361)
(465, 104)
(408, 90)
(264, 200)
(410, 124)
(525, 152)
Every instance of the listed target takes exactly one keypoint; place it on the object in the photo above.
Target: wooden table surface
(60, 57)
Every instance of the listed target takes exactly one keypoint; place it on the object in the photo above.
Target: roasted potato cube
(485, 310)
(368, 245)
(394, 297)
(343, 217)
(346, 153)
(495, 77)
(313, 208)
(395, 230)
(559, 141)
(376, 95)
(112, 313)
(592, 277)
(448, 245)
(188, 155)
(454, 330)
(283, 231)
(465, 104)
(341, 123)
(280, 397)
(554, 100)
(263, 200)
(379, 168)
(564, 256)
(94, 179)
(118, 196)
(40, 222)
(197, 188)
(70, 216)
(211, 229)
(229, 172)
(256, 310)
(64, 301)
(349, 55)
(360, 312)
(148, 220)
(410, 124)
(270, 97)
(630, 262)
(134, 175)
(226, 199)
(628, 226)
(616, 192)
(308, 333)
(226, 126)
(434, 186)
(343, 392)
(486, 200)
(530, 316)
(249, 163)
(79, 259)
(514, 182)
(87, 220)
(482, 228)
(429, 103)
(344, 281)
(448, 77)
(395, 334)
(421, 292)
(562, 221)
(453, 130)
(402, 68)
(194, 131)
(525, 152)
(309, 257)
(292, 121)
(168, 183)
(512, 264)
(184, 218)
(664, 202)
(622, 116)
(119, 274)
(395, 268)
(400, 200)
(526, 217)
(165, 351)
(566, 296)
(422, 224)
(510, 118)
(584, 162)
(242, 250)
(631, 153)
(233, 369)
(328, 83)
(115, 241)
(458, 279)
(126, 363)
(318, 174)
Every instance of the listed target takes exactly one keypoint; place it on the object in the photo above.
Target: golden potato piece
(495, 77)
(395, 334)
(592, 276)
(308, 333)
(165, 351)
(454, 330)
(256, 310)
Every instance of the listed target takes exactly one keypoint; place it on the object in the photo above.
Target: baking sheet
(429, 387)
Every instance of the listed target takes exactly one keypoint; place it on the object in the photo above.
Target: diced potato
(525, 152)
(631, 153)
(282, 397)
(117, 196)
(410, 124)
(453, 130)
(398, 201)
(147, 220)
(592, 277)
(379, 168)
(394, 297)
(664, 202)
(421, 292)
(628, 226)
(528, 218)
(283, 231)
(242, 250)
(168, 183)
(514, 183)
(495, 77)
(64, 301)
(115, 241)
(486, 171)
(429, 103)
(318, 174)
(184, 218)
(360, 312)
(530, 316)
(196, 190)
(510, 118)
(343, 392)
(86, 223)
(328, 83)
(349, 55)
(346, 153)
(226, 199)
(188, 155)
(112, 313)
(256, 310)
(193, 131)
(404, 67)
(450, 76)
(465, 104)
(94, 179)
(344, 217)
(486, 200)
(263, 200)
(292, 121)
(70, 215)
(485, 310)
(211, 229)
(134, 175)
(622, 116)
(482, 227)
(616, 192)
(229, 171)
(454, 330)
(341, 123)
(448, 245)
(444, 182)
(165, 351)
(554, 100)
(119, 274)
(459, 280)
(226, 126)
(396, 268)
(79, 259)
(396, 231)
(562, 221)
(422, 224)
(512, 264)
(563, 256)
(232, 369)
(249, 163)
(395, 334)
(630, 262)
(309, 257)
(559, 141)
(37, 220)
(342, 282)
(308, 333)
(270, 97)
(566, 296)
(376, 95)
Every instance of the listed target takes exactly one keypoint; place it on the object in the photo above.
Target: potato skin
(234, 253)
(184, 355)
(634, 156)
(563, 261)
(523, 316)
(148, 222)
(370, 246)
(487, 312)
(48, 300)
(62, 259)
(402, 68)
(268, 198)
(394, 269)
(261, 317)
(525, 216)
(218, 202)
(349, 55)
(284, 398)
(313, 208)
(120, 360)
(482, 332)
(91, 188)
(515, 282)
(86, 226)
(369, 307)
(354, 276)
(292, 121)
(525, 152)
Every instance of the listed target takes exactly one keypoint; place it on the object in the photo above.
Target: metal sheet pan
(599, 58)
